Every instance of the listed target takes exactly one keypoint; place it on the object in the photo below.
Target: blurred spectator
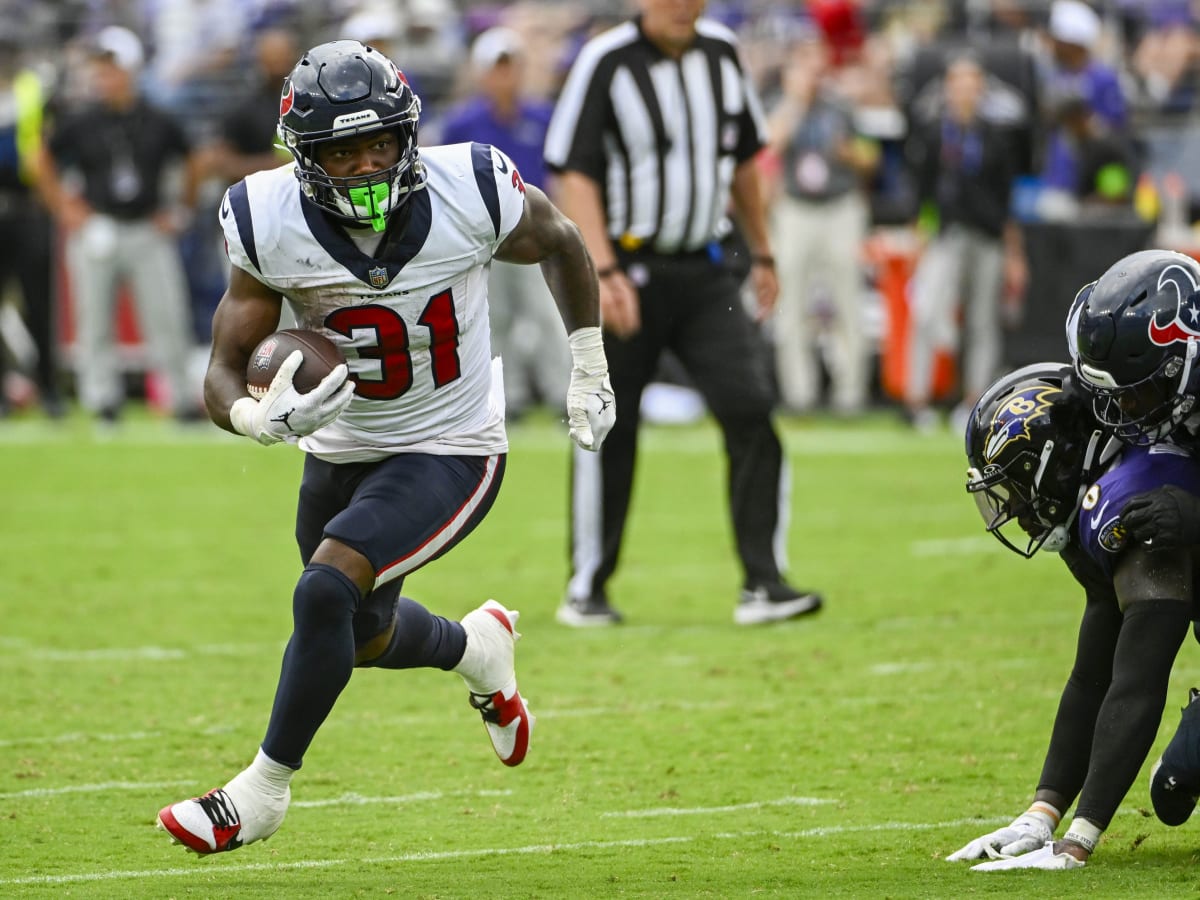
(819, 220)
(545, 28)
(246, 142)
(841, 24)
(419, 36)
(197, 48)
(77, 18)
(1164, 58)
(1106, 164)
(115, 155)
(964, 166)
(526, 326)
(1074, 29)
(26, 232)
(267, 14)
(380, 27)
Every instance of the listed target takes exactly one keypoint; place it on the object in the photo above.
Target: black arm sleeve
(1132, 710)
(1070, 748)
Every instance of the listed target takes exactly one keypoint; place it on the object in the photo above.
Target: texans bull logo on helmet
(1185, 325)
(1011, 421)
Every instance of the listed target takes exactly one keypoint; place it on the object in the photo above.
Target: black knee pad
(323, 595)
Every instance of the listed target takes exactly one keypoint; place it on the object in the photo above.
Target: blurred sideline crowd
(930, 164)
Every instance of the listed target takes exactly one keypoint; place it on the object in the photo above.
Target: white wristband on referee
(587, 350)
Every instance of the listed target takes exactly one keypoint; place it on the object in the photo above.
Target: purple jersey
(521, 137)
(1100, 87)
(1139, 469)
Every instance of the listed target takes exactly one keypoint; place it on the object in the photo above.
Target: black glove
(1165, 517)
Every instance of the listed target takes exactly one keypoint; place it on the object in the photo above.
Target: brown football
(321, 356)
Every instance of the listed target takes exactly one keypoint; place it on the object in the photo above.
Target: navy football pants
(400, 513)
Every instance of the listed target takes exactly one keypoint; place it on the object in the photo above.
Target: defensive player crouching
(1034, 447)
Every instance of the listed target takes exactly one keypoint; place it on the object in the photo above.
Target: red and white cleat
(208, 824)
(213, 824)
(488, 667)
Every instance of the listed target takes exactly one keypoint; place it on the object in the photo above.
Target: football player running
(384, 248)
(1045, 474)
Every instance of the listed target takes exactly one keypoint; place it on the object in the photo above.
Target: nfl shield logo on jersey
(379, 277)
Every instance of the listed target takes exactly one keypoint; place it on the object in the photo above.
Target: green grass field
(146, 590)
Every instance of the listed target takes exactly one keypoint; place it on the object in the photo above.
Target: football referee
(654, 134)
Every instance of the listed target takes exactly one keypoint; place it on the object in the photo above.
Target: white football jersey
(411, 319)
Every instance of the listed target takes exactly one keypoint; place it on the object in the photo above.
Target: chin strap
(1186, 398)
(1095, 458)
(1058, 538)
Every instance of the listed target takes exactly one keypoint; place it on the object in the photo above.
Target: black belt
(713, 252)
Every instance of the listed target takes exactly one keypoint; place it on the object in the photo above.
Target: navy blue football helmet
(1033, 447)
(1135, 337)
(338, 90)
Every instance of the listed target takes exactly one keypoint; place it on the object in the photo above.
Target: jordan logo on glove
(283, 420)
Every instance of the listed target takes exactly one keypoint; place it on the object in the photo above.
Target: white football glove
(284, 414)
(1028, 831)
(1044, 858)
(591, 408)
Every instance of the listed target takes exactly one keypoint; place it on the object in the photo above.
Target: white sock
(471, 664)
(267, 776)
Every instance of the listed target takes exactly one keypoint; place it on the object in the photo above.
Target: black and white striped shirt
(662, 137)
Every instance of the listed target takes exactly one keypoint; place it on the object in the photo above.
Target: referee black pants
(27, 236)
(691, 305)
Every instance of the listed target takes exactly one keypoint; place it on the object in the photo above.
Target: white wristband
(1083, 833)
(1044, 812)
(241, 416)
(587, 350)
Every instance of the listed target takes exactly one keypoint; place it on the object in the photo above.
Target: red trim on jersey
(444, 535)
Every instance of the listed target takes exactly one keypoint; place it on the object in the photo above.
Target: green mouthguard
(372, 197)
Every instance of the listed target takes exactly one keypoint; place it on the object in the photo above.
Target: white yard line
(350, 799)
(81, 737)
(349, 721)
(353, 799)
(71, 737)
(93, 788)
(24, 651)
(438, 856)
(706, 810)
